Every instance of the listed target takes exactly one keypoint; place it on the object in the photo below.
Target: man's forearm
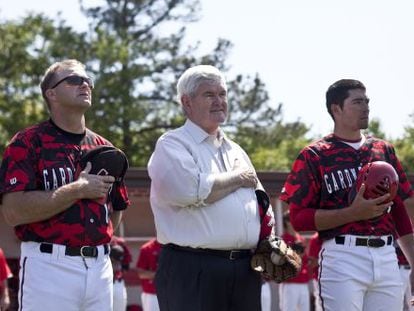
(146, 274)
(224, 184)
(116, 218)
(4, 296)
(31, 206)
(328, 219)
(406, 244)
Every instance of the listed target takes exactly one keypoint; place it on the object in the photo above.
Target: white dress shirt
(182, 170)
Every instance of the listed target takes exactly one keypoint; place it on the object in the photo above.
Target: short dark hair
(338, 92)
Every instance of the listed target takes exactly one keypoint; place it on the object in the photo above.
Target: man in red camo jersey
(359, 269)
(147, 266)
(64, 217)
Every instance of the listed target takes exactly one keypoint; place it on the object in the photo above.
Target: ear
(186, 102)
(336, 109)
(50, 93)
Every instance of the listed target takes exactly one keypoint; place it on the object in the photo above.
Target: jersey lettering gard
(325, 172)
(45, 157)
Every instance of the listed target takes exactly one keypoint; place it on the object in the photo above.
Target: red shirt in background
(315, 245)
(126, 258)
(5, 271)
(303, 276)
(148, 260)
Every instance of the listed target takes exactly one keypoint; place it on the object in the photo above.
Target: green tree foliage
(27, 48)
(135, 49)
(135, 66)
(404, 147)
(274, 147)
(20, 101)
(374, 129)
(136, 52)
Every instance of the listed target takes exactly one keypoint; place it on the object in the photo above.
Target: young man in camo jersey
(59, 212)
(358, 265)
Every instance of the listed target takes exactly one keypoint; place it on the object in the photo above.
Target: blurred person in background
(314, 247)
(147, 267)
(294, 293)
(5, 274)
(120, 258)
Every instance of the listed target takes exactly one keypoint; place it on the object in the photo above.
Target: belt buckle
(232, 257)
(85, 248)
(377, 242)
(81, 251)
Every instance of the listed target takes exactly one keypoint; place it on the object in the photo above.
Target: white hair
(191, 79)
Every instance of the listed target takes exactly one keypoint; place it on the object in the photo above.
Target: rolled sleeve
(206, 184)
(175, 176)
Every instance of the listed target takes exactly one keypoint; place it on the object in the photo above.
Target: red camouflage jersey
(322, 177)
(45, 157)
(126, 258)
(148, 260)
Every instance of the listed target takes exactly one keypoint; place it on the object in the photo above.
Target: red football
(379, 178)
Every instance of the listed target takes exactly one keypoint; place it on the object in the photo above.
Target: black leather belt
(228, 254)
(83, 251)
(370, 242)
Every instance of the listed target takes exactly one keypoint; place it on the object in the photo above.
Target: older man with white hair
(204, 204)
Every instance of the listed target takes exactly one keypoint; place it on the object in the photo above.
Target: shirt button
(91, 220)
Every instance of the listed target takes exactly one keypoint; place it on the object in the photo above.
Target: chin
(221, 119)
(363, 126)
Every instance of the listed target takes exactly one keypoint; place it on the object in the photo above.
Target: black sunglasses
(75, 80)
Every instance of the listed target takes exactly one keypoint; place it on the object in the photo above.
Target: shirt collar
(199, 135)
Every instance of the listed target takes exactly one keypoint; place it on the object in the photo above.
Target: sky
(300, 47)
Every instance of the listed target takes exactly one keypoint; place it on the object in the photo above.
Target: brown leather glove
(275, 260)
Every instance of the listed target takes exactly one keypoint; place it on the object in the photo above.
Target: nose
(216, 100)
(221, 98)
(84, 83)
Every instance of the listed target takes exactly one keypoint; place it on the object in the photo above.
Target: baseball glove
(275, 260)
(117, 252)
(106, 160)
